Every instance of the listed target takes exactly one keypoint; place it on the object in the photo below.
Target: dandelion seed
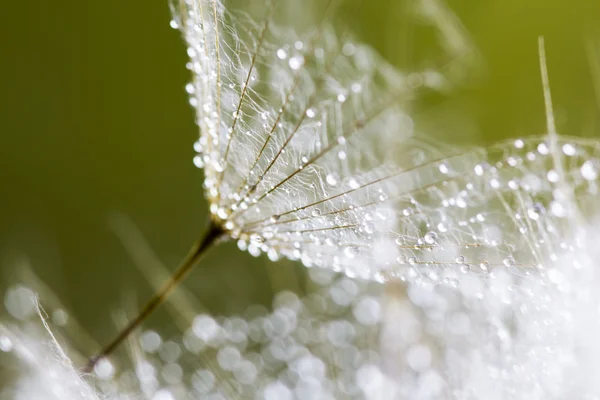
(312, 130)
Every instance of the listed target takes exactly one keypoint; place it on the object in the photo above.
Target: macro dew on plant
(306, 141)
(435, 272)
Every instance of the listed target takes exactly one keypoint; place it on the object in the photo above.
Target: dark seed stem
(213, 234)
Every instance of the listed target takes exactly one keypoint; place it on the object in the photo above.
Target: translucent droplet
(341, 97)
(553, 176)
(509, 261)
(342, 155)
(296, 62)
(430, 237)
(281, 54)
(353, 183)
(569, 149)
(350, 251)
(460, 260)
(6, 344)
(444, 168)
(331, 179)
(104, 369)
(310, 113)
(589, 170)
(535, 211)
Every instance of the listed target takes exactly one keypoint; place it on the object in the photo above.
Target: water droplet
(104, 369)
(412, 260)
(274, 218)
(460, 260)
(341, 97)
(430, 237)
(543, 148)
(6, 344)
(535, 211)
(509, 261)
(444, 168)
(310, 113)
(348, 49)
(353, 183)
(350, 251)
(569, 149)
(484, 266)
(281, 54)
(174, 24)
(332, 179)
(222, 213)
(198, 161)
(296, 62)
(519, 143)
(589, 170)
(553, 176)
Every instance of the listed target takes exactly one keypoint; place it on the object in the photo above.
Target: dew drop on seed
(553, 176)
(310, 113)
(296, 62)
(281, 54)
(535, 211)
(430, 237)
(589, 170)
(350, 251)
(509, 261)
(6, 344)
(568, 149)
(331, 179)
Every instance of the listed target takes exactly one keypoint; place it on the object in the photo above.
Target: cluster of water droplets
(512, 336)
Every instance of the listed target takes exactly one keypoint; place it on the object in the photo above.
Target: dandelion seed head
(301, 133)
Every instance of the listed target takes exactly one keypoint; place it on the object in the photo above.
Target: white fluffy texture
(44, 371)
(494, 336)
(501, 338)
(305, 139)
(309, 154)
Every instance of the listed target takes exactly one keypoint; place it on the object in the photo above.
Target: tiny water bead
(590, 170)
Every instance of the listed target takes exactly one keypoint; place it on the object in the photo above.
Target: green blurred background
(94, 120)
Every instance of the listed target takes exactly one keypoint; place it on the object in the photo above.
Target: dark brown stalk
(213, 234)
